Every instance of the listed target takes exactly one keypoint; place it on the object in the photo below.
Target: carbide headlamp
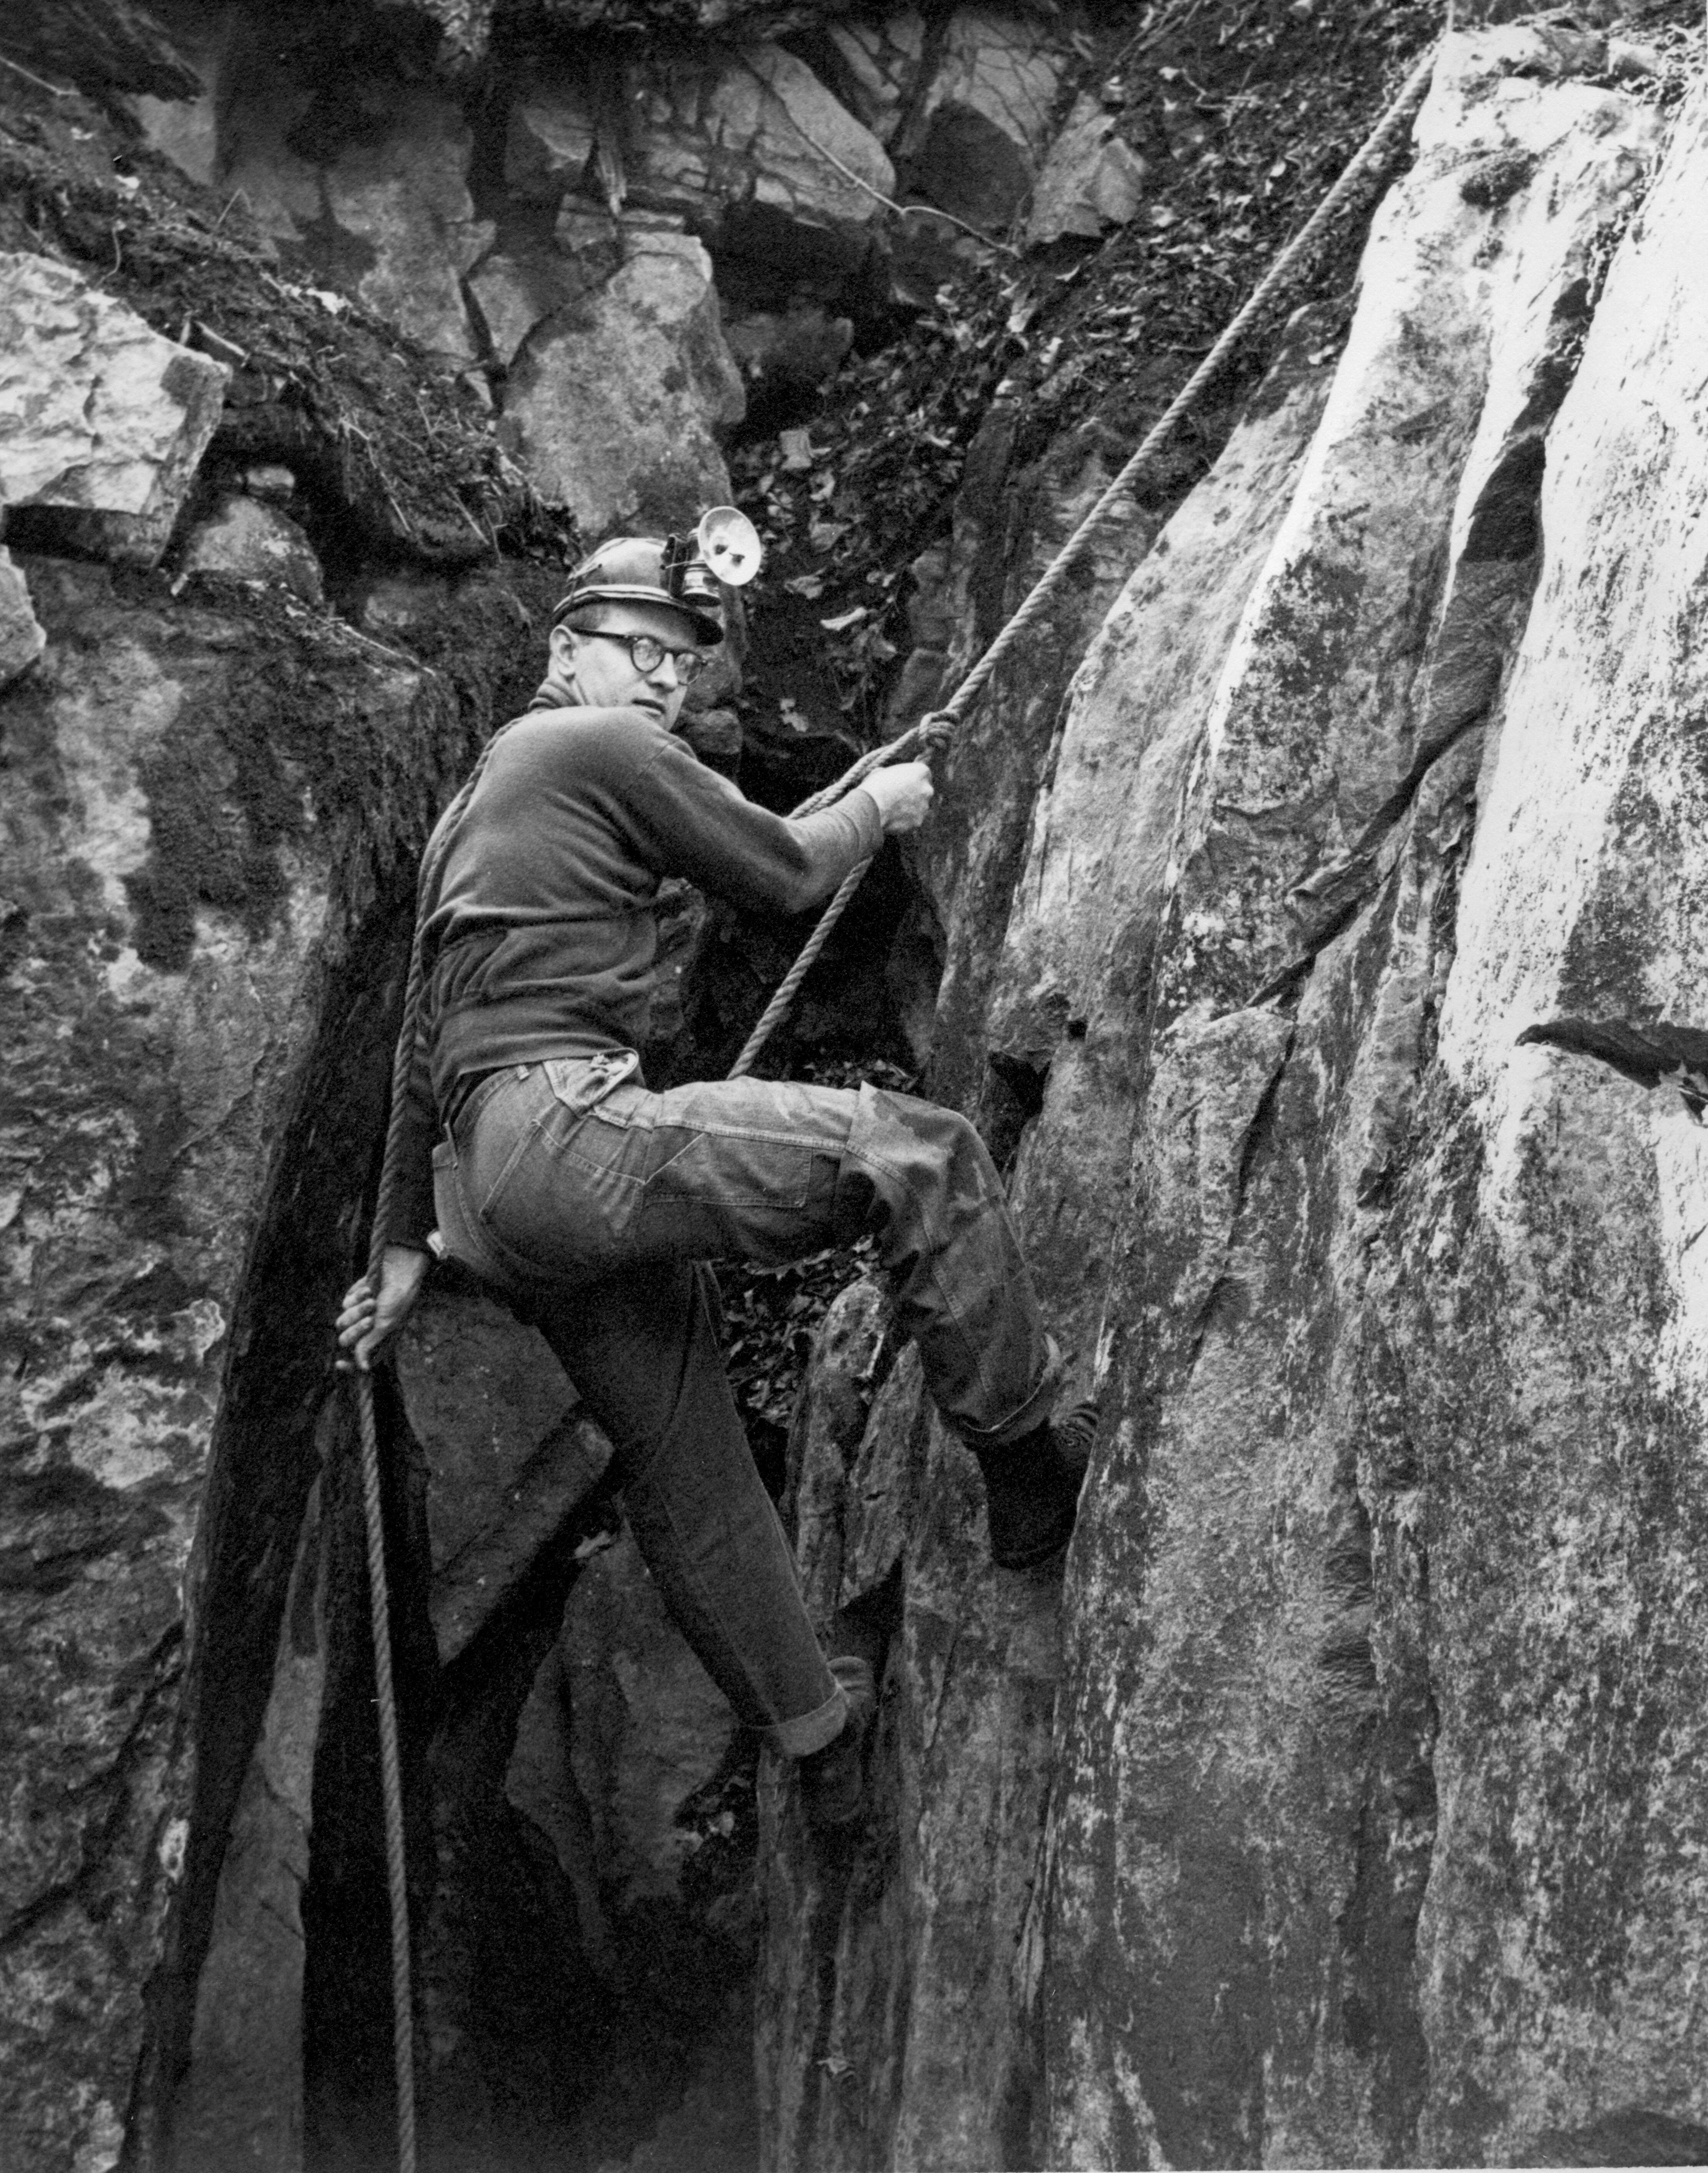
(681, 571)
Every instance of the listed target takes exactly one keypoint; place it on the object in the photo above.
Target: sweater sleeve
(688, 820)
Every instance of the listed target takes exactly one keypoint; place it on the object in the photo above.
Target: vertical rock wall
(1362, 1831)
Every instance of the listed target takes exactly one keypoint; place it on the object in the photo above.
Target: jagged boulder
(614, 404)
(249, 541)
(99, 414)
(1090, 180)
(1306, 786)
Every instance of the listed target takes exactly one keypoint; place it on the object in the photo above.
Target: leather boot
(1032, 1487)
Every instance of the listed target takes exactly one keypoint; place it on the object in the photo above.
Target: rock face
(1090, 180)
(100, 414)
(612, 404)
(508, 1459)
(252, 542)
(1336, 1804)
(186, 875)
(21, 639)
(1360, 1832)
(383, 209)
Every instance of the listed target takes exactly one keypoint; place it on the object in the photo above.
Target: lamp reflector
(729, 545)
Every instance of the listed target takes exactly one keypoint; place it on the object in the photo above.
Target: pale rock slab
(1572, 1838)
(922, 1923)
(1090, 180)
(984, 123)
(880, 58)
(613, 405)
(99, 414)
(1286, 817)
(1005, 66)
(185, 130)
(971, 854)
(758, 126)
(21, 638)
(510, 1459)
(253, 542)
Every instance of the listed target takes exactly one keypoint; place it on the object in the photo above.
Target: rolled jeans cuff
(811, 1731)
(1033, 1412)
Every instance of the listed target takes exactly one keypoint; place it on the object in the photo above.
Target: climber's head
(638, 613)
(634, 624)
(621, 655)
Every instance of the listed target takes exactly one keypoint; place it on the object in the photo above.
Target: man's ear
(561, 645)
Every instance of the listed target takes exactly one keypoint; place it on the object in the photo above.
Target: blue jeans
(593, 1203)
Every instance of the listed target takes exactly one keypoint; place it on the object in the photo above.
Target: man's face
(605, 673)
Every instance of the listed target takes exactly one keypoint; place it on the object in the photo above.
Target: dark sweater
(541, 939)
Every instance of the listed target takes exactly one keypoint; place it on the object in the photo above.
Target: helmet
(674, 570)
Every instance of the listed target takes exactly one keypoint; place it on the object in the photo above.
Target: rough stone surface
(1259, 1478)
(405, 200)
(1008, 525)
(184, 871)
(509, 1458)
(241, 2103)
(976, 139)
(98, 413)
(1090, 180)
(1005, 67)
(706, 131)
(252, 542)
(185, 130)
(647, 1728)
(1569, 1842)
(1353, 1830)
(21, 639)
(107, 45)
(385, 215)
(613, 406)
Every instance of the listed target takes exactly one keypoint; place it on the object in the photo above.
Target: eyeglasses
(649, 653)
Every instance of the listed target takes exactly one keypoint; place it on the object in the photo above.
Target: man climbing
(593, 1203)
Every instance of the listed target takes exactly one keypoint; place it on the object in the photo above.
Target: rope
(796, 973)
(391, 1770)
(379, 1590)
(930, 732)
(1377, 148)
